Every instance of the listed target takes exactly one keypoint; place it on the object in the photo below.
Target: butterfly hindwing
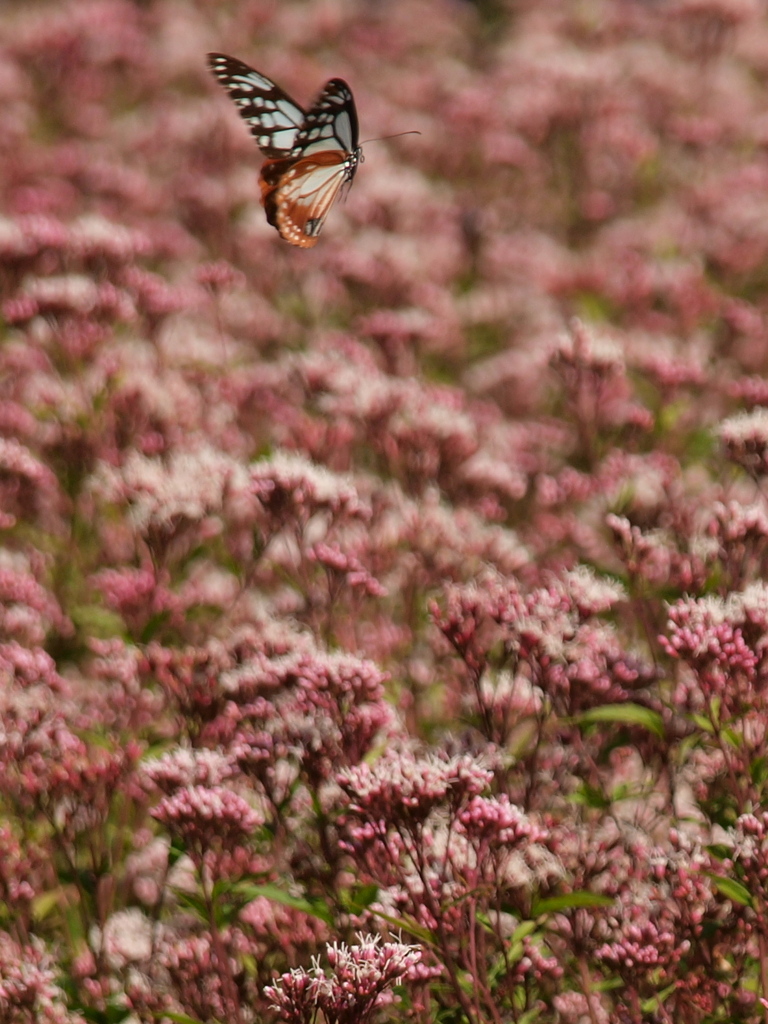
(310, 154)
(305, 194)
(273, 117)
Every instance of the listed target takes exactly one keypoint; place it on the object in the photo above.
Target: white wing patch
(289, 111)
(343, 130)
(273, 117)
(253, 80)
(282, 140)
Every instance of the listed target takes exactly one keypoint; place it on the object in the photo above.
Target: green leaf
(732, 889)
(589, 796)
(652, 1004)
(45, 903)
(154, 625)
(360, 897)
(530, 1016)
(515, 952)
(403, 925)
(111, 1015)
(95, 620)
(192, 901)
(524, 929)
(607, 984)
(732, 737)
(719, 850)
(178, 1018)
(623, 714)
(571, 900)
(758, 770)
(312, 907)
(625, 791)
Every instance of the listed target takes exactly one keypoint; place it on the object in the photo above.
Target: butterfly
(311, 154)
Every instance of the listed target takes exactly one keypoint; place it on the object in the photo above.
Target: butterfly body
(311, 155)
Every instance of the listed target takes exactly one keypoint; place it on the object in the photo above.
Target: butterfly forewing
(330, 123)
(273, 117)
(311, 154)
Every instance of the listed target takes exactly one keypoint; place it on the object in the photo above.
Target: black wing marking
(330, 123)
(274, 118)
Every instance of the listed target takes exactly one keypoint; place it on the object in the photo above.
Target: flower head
(356, 984)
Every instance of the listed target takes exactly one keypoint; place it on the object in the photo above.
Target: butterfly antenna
(381, 138)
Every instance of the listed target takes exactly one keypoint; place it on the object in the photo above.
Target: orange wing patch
(298, 194)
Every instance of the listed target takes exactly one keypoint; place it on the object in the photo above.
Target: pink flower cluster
(28, 985)
(413, 583)
(359, 980)
(403, 788)
(208, 820)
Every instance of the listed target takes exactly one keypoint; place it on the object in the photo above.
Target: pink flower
(498, 822)
(219, 275)
(77, 295)
(274, 924)
(207, 817)
(316, 711)
(28, 666)
(723, 642)
(357, 983)
(45, 768)
(96, 237)
(643, 948)
(183, 767)
(349, 568)
(146, 869)
(745, 440)
(28, 488)
(195, 975)
(400, 787)
(164, 498)
(291, 491)
(21, 871)
(28, 986)
(127, 938)
(136, 594)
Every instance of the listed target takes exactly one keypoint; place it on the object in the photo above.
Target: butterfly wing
(310, 155)
(298, 194)
(330, 123)
(274, 118)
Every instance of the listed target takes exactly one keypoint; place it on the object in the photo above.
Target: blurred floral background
(384, 627)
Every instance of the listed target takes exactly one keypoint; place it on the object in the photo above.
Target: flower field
(384, 626)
